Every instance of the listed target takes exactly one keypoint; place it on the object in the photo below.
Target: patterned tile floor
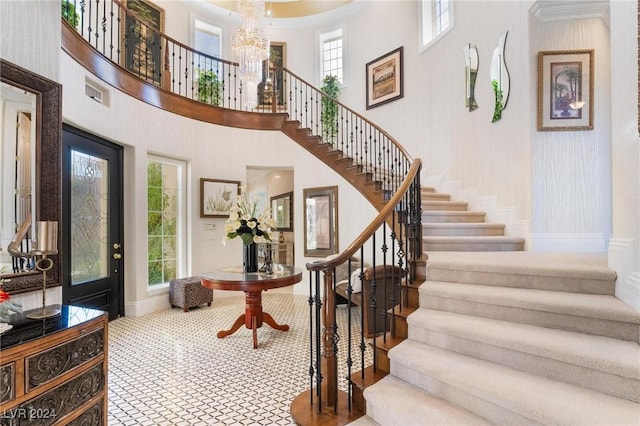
(169, 368)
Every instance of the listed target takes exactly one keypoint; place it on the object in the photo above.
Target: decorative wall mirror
(43, 170)
(499, 78)
(470, 72)
(282, 211)
(320, 221)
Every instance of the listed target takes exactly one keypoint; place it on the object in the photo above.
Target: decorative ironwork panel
(7, 382)
(89, 218)
(53, 405)
(45, 366)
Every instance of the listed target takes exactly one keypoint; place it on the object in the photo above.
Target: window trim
(321, 37)
(424, 46)
(207, 23)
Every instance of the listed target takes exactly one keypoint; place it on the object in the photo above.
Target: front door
(91, 236)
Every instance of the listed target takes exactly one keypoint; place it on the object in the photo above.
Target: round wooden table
(252, 283)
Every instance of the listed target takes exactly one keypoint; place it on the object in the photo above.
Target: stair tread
(462, 225)
(474, 238)
(453, 212)
(599, 306)
(425, 408)
(605, 354)
(540, 399)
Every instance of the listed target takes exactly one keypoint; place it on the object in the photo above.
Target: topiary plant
(329, 114)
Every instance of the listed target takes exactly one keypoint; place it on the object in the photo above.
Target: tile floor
(169, 368)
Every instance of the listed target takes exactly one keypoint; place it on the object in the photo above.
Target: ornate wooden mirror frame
(47, 187)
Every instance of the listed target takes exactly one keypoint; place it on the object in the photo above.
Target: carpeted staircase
(509, 337)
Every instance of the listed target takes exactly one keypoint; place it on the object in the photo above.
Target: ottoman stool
(188, 292)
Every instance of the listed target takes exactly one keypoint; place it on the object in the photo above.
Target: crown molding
(564, 10)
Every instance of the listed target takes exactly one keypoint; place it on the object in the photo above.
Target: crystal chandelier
(251, 47)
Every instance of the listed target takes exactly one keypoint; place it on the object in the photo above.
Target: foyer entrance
(92, 216)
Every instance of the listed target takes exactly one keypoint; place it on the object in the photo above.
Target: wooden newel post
(329, 362)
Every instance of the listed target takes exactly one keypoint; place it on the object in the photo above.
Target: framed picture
(141, 46)
(384, 79)
(565, 90)
(277, 59)
(320, 221)
(282, 211)
(217, 197)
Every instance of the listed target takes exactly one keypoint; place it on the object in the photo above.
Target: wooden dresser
(54, 371)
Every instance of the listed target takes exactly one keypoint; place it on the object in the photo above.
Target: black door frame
(118, 210)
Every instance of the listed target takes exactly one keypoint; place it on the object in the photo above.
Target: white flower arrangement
(244, 223)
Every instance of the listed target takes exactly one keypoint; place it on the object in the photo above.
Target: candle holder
(46, 244)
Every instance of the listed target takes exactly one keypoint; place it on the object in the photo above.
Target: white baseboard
(579, 243)
(146, 306)
(623, 253)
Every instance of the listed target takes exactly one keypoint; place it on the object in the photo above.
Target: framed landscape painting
(565, 90)
(384, 79)
(217, 196)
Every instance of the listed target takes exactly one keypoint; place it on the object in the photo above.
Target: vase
(250, 257)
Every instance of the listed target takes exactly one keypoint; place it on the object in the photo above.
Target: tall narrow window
(207, 39)
(165, 220)
(437, 20)
(331, 58)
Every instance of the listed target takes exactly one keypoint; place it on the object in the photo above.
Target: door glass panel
(89, 218)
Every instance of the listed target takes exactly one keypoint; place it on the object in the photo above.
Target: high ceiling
(288, 8)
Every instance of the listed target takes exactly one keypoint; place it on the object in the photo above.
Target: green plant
(329, 114)
(210, 88)
(69, 13)
(497, 112)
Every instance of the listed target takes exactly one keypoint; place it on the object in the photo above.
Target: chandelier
(251, 47)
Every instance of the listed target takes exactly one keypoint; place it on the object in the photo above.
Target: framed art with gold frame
(565, 90)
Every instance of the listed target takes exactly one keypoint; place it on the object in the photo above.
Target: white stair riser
(467, 230)
(595, 326)
(445, 217)
(452, 206)
(428, 245)
(539, 282)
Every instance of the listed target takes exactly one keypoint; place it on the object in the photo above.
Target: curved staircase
(489, 333)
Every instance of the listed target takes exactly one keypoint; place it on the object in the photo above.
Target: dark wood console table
(252, 284)
(54, 370)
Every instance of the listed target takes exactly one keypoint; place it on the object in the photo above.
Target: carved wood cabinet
(54, 371)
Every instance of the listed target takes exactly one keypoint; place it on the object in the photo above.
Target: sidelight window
(166, 220)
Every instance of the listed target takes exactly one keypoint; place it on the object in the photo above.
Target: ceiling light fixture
(251, 46)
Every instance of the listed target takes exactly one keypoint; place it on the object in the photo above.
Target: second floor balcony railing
(136, 44)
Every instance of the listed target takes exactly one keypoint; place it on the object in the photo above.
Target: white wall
(461, 149)
(571, 170)
(624, 250)
(212, 152)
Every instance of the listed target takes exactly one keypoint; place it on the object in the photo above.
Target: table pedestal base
(253, 317)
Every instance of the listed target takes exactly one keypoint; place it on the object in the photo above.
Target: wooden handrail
(363, 118)
(373, 226)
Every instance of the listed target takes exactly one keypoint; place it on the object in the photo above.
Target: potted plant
(329, 114)
(210, 88)
(69, 13)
